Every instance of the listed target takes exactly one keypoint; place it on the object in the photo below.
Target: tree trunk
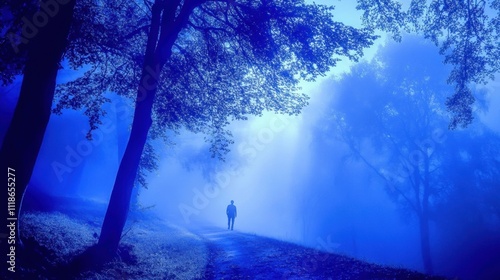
(25, 134)
(158, 51)
(119, 202)
(424, 218)
(425, 244)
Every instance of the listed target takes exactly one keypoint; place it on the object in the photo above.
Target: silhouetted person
(231, 214)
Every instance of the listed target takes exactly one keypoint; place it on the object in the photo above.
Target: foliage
(466, 31)
(111, 38)
(149, 163)
(472, 166)
(393, 106)
(232, 59)
(13, 51)
(390, 114)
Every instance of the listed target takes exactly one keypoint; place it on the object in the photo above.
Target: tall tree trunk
(424, 218)
(119, 203)
(421, 185)
(425, 243)
(25, 134)
(165, 27)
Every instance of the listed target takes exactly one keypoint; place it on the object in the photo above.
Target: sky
(285, 181)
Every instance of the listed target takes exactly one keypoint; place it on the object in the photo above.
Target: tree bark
(119, 203)
(158, 51)
(25, 134)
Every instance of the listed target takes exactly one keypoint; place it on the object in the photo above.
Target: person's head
(232, 201)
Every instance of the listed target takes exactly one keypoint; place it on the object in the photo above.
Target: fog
(294, 178)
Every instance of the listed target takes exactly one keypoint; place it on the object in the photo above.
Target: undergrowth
(151, 249)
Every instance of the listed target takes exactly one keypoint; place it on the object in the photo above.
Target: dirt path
(236, 255)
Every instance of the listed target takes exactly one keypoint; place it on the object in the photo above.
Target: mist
(292, 178)
(295, 178)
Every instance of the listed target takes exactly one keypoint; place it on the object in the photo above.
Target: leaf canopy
(231, 60)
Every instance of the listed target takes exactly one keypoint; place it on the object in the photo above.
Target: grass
(150, 250)
(153, 249)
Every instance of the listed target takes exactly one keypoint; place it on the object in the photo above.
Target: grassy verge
(151, 249)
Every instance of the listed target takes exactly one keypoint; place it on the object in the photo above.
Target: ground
(236, 255)
(152, 248)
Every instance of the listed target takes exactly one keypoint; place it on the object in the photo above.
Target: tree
(206, 63)
(389, 113)
(38, 35)
(466, 31)
(95, 43)
(34, 48)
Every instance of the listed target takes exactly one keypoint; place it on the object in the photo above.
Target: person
(231, 214)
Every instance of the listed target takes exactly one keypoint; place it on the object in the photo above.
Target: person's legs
(232, 223)
(228, 221)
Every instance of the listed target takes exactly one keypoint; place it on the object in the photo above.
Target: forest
(337, 139)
